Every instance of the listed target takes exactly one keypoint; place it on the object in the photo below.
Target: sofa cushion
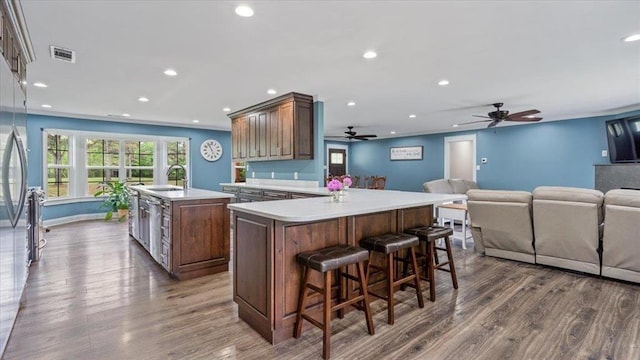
(499, 196)
(568, 194)
(440, 186)
(458, 186)
(630, 198)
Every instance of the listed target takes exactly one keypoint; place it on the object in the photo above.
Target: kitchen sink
(164, 188)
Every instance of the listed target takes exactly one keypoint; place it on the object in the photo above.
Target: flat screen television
(623, 136)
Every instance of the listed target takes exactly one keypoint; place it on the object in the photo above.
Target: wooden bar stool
(326, 261)
(389, 245)
(429, 235)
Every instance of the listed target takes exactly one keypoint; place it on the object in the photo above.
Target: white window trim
(78, 167)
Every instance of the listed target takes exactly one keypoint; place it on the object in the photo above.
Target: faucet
(185, 181)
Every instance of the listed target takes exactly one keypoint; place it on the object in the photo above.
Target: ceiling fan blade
(524, 119)
(474, 122)
(493, 123)
(365, 136)
(524, 113)
(482, 116)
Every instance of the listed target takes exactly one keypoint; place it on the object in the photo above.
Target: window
(139, 161)
(103, 162)
(78, 161)
(58, 166)
(176, 155)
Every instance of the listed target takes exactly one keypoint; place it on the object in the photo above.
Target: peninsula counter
(268, 235)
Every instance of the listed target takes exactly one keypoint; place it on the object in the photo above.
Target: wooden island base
(266, 276)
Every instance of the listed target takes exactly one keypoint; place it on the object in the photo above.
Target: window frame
(78, 167)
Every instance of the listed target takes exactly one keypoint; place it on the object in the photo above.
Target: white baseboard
(74, 218)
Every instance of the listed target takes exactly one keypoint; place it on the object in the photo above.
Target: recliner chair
(621, 240)
(567, 223)
(501, 223)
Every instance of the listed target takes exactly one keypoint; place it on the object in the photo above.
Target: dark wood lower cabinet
(266, 276)
(199, 237)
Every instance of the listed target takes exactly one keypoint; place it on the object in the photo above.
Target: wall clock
(211, 150)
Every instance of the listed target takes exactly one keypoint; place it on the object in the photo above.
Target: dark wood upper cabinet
(239, 137)
(278, 129)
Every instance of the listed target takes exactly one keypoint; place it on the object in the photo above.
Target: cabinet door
(275, 133)
(303, 130)
(286, 131)
(253, 137)
(239, 138)
(262, 136)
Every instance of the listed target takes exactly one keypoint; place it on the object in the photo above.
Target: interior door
(460, 157)
(337, 162)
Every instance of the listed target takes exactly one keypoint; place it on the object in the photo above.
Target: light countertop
(296, 189)
(177, 193)
(354, 202)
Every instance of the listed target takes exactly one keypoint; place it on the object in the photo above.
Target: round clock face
(211, 150)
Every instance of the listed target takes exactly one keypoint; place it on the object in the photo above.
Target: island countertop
(175, 193)
(354, 202)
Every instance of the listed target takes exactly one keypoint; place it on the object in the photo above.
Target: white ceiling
(565, 58)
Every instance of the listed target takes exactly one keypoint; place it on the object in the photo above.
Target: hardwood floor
(97, 295)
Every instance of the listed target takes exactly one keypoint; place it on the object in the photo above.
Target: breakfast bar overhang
(268, 235)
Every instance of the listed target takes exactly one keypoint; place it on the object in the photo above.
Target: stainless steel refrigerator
(14, 254)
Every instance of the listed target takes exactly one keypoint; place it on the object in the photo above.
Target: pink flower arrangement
(346, 181)
(334, 185)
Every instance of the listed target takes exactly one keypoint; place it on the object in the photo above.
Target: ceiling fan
(498, 116)
(350, 134)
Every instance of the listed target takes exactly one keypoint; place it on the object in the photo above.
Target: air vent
(62, 54)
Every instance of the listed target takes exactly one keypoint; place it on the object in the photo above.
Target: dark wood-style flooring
(97, 295)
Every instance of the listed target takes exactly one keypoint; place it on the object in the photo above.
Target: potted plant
(116, 199)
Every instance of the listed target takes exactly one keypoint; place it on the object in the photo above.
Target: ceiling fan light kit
(498, 116)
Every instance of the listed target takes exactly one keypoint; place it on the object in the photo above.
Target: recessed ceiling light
(351, 103)
(40, 85)
(126, 115)
(195, 121)
(271, 92)
(226, 109)
(244, 11)
(444, 82)
(170, 72)
(46, 106)
(392, 132)
(143, 99)
(630, 38)
(369, 55)
(412, 116)
(455, 125)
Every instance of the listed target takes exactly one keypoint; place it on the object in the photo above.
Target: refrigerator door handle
(14, 142)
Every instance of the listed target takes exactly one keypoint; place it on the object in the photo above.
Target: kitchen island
(185, 230)
(268, 235)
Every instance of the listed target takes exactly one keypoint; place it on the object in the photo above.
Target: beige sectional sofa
(571, 228)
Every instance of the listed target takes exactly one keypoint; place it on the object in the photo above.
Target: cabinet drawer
(165, 258)
(274, 195)
(301, 195)
(230, 189)
(256, 192)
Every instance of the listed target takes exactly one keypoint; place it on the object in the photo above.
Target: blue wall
(204, 174)
(307, 169)
(560, 153)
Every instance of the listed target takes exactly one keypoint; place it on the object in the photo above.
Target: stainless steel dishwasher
(151, 223)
